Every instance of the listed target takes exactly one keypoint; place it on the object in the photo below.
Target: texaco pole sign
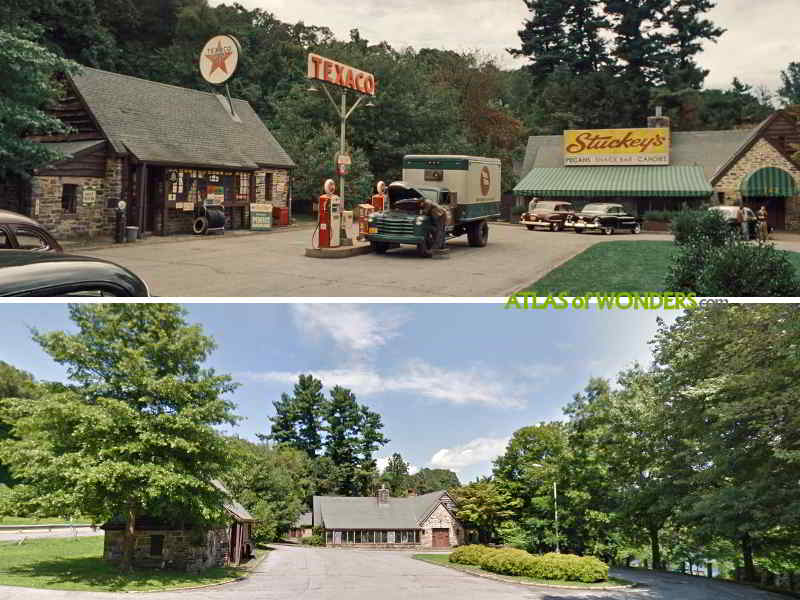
(219, 58)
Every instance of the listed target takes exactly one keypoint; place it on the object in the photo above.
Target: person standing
(742, 221)
(763, 226)
(439, 216)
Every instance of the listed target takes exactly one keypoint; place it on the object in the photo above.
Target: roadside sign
(219, 58)
(261, 216)
(336, 73)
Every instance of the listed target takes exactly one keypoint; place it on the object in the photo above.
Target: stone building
(753, 166)
(162, 149)
(162, 545)
(426, 521)
(303, 526)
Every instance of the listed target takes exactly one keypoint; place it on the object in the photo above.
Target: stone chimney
(383, 495)
(658, 120)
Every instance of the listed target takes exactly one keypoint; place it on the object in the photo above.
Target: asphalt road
(296, 573)
(274, 264)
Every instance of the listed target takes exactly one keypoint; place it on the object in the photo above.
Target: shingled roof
(339, 512)
(706, 149)
(166, 124)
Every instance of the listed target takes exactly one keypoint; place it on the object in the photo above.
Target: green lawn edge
(614, 583)
(614, 267)
(10, 521)
(77, 565)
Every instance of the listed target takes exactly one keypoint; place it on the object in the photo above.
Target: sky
(451, 381)
(760, 40)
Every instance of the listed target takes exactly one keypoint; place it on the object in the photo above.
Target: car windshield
(595, 208)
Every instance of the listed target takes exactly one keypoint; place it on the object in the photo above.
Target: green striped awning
(682, 182)
(769, 182)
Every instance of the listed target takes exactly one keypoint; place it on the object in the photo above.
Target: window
(5, 243)
(156, 545)
(268, 187)
(243, 187)
(721, 197)
(69, 198)
(30, 240)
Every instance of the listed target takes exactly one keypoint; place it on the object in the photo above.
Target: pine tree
(298, 418)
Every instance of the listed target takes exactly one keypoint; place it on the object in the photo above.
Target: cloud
(477, 385)
(351, 327)
(477, 451)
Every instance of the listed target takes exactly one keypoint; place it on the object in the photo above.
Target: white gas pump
(336, 221)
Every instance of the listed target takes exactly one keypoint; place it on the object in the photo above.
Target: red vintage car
(549, 214)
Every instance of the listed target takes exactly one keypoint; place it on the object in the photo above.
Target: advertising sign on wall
(608, 147)
(261, 216)
(336, 73)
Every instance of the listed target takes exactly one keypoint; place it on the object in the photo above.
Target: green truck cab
(467, 187)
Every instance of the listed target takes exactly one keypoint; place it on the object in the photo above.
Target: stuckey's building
(162, 149)
(658, 169)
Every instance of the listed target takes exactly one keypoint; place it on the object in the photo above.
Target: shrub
(313, 540)
(511, 561)
(745, 270)
(706, 228)
(265, 529)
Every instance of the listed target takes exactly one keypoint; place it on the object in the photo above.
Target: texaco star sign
(219, 58)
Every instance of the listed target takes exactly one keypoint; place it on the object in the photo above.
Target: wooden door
(441, 538)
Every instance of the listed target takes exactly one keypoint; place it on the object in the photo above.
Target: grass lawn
(41, 521)
(615, 267)
(443, 560)
(77, 564)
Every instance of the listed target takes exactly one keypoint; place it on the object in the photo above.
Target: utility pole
(555, 504)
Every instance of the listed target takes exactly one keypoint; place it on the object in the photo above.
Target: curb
(528, 584)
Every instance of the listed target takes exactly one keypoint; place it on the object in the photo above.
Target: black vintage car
(25, 273)
(18, 232)
(605, 217)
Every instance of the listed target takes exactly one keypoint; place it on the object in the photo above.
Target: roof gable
(166, 124)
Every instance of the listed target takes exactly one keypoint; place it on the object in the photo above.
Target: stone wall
(762, 154)
(279, 192)
(181, 550)
(92, 218)
(440, 519)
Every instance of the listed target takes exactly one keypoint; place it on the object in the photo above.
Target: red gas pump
(379, 200)
(330, 217)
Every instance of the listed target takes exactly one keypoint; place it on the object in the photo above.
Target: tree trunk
(128, 542)
(655, 548)
(747, 555)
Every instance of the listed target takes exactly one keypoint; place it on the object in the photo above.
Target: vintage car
(605, 217)
(46, 274)
(549, 214)
(730, 214)
(18, 232)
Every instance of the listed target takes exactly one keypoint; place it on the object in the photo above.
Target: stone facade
(441, 519)
(92, 218)
(279, 191)
(181, 549)
(762, 154)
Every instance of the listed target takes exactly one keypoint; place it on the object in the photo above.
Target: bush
(265, 529)
(746, 270)
(706, 228)
(511, 561)
(313, 540)
(661, 216)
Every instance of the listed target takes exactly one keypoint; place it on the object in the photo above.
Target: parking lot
(274, 264)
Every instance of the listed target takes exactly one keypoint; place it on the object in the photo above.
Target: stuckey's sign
(330, 71)
(616, 147)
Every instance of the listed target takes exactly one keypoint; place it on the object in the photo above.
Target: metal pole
(555, 504)
(342, 144)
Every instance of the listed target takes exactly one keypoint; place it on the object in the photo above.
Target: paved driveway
(274, 264)
(296, 573)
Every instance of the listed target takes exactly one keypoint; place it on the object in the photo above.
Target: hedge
(313, 540)
(510, 561)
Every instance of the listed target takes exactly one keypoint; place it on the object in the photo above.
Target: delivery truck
(467, 187)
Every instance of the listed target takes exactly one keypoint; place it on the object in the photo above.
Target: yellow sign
(595, 147)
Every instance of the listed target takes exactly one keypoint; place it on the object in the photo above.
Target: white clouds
(476, 385)
(352, 328)
(477, 451)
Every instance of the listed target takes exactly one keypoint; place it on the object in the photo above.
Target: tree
(298, 418)
(135, 434)
(26, 87)
(14, 383)
(432, 480)
(396, 474)
(729, 376)
(790, 80)
(484, 506)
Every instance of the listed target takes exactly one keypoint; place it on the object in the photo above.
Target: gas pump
(379, 200)
(330, 217)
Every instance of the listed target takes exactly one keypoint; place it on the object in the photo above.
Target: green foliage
(312, 540)
(748, 270)
(515, 562)
(26, 87)
(698, 234)
(484, 506)
(396, 475)
(432, 480)
(14, 383)
(661, 216)
(134, 434)
(790, 88)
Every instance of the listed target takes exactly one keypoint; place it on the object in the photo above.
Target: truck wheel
(200, 225)
(379, 247)
(478, 234)
(425, 247)
(530, 227)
